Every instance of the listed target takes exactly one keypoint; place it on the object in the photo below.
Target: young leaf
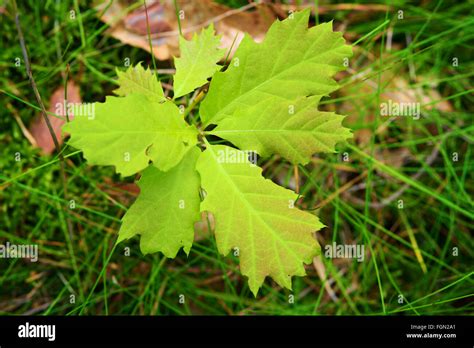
(273, 237)
(138, 80)
(293, 61)
(166, 209)
(130, 132)
(294, 129)
(198, 61)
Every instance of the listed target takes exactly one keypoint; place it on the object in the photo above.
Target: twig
(24, 130)
(149, 38)
(30, 76)
(37, 309)
(43, 109)
(321, 270)
(66, 77)
(340, 190)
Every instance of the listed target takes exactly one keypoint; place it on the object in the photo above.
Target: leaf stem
(194, 102)
(149, 39)
(177, 17)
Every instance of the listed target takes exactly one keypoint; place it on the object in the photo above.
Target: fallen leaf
(397, 90)
(38, 127)
(229, 23)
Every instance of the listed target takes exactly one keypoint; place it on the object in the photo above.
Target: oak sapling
(265, 102)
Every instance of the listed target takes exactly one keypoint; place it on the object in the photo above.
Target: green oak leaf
(198, 61)
(258, 217)
(293, 61)
(138, 80)
(129, 132)
(294, 129)
(166, 209)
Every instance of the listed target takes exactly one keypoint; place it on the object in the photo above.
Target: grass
(411, 267)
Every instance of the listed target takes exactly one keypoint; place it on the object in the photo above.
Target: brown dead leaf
(321, 270)
(229, 23)
(38, 127)
(394, 158)
(402, 92)
(201, 228)
(397, 89)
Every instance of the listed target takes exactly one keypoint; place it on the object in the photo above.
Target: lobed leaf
(198, 61)
(139, 80)
(294, 129)
(293, 61)
(166, 209)
(258, 217)
(130, 132)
